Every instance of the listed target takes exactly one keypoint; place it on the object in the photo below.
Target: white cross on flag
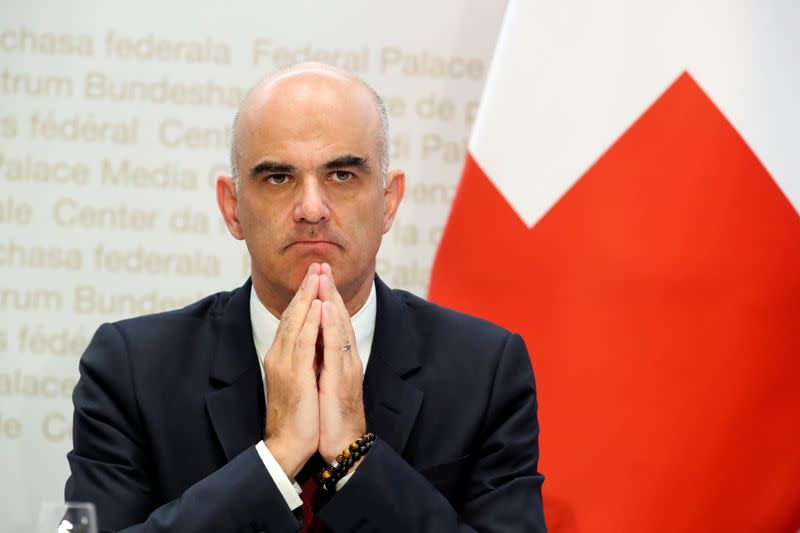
(629, 204)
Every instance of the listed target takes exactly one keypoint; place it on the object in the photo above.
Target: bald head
(317, 88)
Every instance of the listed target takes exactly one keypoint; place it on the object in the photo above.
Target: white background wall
(107, 205)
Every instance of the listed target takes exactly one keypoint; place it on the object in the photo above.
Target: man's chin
(304, 256)
(300, 268)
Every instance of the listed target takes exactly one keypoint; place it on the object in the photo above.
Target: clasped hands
(314, 400)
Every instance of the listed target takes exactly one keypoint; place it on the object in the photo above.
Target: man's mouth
(313, 243)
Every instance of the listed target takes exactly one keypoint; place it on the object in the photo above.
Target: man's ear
(227, 199)
(392, 195)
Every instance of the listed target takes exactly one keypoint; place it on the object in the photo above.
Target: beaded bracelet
(341, 465)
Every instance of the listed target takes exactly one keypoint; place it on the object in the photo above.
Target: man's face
(310, 186)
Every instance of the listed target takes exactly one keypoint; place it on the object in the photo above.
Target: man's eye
(342, 175)
(277, 179)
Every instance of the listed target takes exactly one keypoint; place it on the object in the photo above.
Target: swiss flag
(627, 205)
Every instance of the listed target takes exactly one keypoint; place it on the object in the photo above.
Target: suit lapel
(236, 403)
(391, 403)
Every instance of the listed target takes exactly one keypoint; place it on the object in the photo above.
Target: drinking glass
(67, 517)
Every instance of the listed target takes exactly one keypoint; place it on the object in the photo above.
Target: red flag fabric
(659, 297)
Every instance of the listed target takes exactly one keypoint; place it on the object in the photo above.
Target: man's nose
(312, 205)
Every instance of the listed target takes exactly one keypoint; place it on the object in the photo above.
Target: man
(172, 430)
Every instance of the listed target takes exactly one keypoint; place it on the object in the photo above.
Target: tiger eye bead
(341, 464)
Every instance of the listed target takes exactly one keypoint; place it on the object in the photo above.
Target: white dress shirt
(265, 325)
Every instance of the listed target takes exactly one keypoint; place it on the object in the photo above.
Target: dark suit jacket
(169, 406)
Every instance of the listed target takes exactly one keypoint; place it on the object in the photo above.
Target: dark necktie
(311, 489)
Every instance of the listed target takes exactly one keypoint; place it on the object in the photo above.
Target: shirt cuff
(288, 488)
(345, 479)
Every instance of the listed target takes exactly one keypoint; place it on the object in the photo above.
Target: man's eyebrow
(272, 166)
(348, 161)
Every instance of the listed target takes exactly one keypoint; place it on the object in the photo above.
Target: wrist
(286, 455)
(346, 462)
(347, 437)
(337, 449)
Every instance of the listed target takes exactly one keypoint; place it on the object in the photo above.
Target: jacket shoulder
(209, 307)
(434, 319)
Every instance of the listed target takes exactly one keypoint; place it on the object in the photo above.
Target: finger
(294, 315)
(306, 342)
(326, 286)
(329, 293)
(339, 328)
(333, 338)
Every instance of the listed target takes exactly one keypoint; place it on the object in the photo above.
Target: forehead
(308, 115)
